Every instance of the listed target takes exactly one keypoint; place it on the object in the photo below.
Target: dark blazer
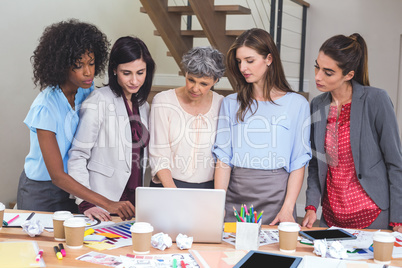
(376, 148)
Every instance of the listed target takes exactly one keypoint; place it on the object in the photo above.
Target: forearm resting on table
(54, 164)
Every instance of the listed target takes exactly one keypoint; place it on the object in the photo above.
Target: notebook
(193, 212)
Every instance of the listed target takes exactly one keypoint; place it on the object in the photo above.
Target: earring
(114, 73)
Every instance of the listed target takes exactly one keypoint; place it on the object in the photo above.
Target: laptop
(197, 213)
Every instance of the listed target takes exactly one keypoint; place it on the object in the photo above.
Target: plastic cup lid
(141, 227)
(289, 227)
(62, 215)
(384, 237)
(75, 222)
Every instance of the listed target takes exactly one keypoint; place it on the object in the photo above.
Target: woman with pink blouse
(183, 124)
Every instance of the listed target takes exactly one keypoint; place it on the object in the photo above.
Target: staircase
(167, 21)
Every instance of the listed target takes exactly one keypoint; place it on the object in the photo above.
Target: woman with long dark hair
(356, 168)
(109, 152)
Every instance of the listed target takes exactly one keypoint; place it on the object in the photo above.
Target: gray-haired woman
(183, 124)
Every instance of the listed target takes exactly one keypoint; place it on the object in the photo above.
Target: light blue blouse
(51, 111)
(276, 136)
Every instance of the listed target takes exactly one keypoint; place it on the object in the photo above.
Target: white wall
(22, 22)
(379, 22)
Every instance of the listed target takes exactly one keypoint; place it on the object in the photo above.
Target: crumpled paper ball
(183, 241)
(161, 241)
(32, 227)
(320, 248)
(337, 250)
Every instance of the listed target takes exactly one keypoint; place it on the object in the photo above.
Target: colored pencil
(237, 215)
(260, 216)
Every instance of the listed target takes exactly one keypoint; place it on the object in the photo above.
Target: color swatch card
(117, 234)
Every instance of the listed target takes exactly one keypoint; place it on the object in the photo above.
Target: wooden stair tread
(201, 33)
(233, 9)
(228, 9)
(234, 32)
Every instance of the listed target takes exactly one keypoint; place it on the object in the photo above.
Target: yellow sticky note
(100, 246)
(110, 235)
(230, 227)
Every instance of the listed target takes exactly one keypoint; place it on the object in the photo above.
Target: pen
(183, 265)
(174, 263)
(30, 216)
(10, 221)
(62, 251)
(39, 256)
(57, 252)
(5, 223)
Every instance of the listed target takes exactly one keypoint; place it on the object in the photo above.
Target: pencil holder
(247, 235)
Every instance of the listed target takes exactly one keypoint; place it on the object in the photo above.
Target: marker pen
(39, 256)
(63, 252)
(13, 219)
(57, 251)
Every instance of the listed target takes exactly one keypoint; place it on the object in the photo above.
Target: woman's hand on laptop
(99, 213)
(124, 209)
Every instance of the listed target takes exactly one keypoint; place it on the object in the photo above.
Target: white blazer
(101, 154)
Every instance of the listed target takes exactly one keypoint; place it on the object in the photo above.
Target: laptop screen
(197, 213)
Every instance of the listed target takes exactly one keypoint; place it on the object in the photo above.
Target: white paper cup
(2, 208)
(383, 245)
(58, 219)
(74, 229)
(141, 233)
(288, 234)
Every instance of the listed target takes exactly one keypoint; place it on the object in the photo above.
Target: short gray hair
(204, 61)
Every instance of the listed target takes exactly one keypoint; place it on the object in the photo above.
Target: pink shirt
(182, 142)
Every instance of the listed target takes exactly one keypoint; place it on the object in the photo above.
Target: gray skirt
(264, 189)
(43, 196)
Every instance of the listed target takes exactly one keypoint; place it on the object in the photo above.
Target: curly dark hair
(60, 47)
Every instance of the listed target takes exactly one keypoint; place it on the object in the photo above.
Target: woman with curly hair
(69, 55)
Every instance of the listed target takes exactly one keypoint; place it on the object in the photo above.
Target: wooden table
(46, 242)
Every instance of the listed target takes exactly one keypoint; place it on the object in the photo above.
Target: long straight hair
(262, 42)
(350, 54)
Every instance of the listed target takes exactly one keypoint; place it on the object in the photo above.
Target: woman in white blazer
(109, 151)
